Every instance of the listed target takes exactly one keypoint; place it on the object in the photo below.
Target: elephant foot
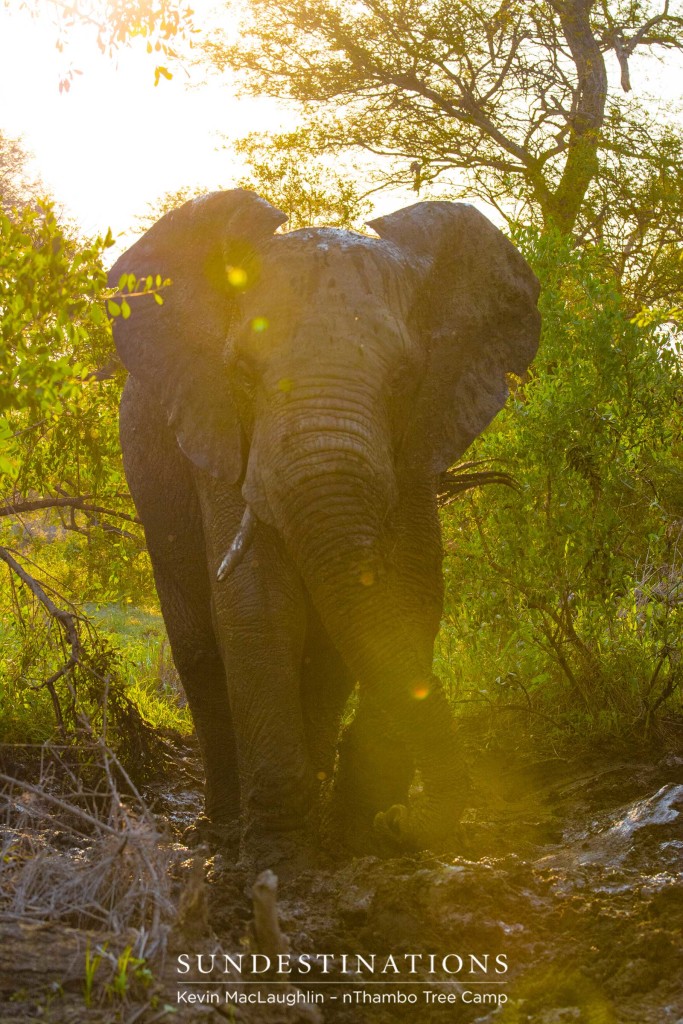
(431, 823)
(347, 826)
(215, 835)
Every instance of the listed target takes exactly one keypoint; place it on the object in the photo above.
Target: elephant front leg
(430, 818)
(260, 621)
(374, 769)
(277, 781)
(374, 772)
(163, 488)
(416, 706)
(200, 667)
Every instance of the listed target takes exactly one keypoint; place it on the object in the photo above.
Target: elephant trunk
(348, 570)
(331, 496)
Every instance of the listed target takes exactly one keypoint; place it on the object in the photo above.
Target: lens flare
(259, 324)
(420, 691)
(237, 277)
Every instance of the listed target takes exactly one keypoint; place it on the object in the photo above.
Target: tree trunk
(562, 207)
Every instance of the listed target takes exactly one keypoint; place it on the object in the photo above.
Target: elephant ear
(208, 248)
(476, 310)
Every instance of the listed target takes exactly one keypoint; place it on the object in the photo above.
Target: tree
(117, 23)
(16, 188)
(310, 192)
(512, 97)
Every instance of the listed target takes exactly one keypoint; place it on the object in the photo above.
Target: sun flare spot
(420, 691)
(237, 276)
(259, 324)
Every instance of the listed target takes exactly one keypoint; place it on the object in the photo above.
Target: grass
(137, 649)
(124, 650)
(152, 682)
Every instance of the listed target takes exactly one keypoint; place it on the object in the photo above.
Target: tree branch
(80, 502)
(67, 621)
(581, 165)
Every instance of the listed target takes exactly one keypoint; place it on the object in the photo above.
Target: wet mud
(564, 904)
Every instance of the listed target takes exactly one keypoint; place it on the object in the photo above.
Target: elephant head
(331, 377)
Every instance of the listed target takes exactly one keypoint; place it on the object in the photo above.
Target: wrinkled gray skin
(327, 384)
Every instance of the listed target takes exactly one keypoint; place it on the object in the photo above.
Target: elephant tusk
(239, 546)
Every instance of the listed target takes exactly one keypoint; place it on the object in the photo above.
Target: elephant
(291, 405)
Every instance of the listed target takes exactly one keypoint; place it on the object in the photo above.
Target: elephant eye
(243, 375)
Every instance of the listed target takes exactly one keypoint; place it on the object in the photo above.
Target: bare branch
(66, 620)
(79, 502)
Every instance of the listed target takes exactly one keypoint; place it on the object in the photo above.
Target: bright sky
(114, 142)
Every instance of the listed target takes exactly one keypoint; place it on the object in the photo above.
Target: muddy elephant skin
(292, 404)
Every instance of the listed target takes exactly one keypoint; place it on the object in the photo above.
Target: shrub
(565, 594)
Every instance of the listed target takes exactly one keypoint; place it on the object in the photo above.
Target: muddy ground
(570, 874)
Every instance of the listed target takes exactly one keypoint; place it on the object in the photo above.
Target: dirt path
(568, 895)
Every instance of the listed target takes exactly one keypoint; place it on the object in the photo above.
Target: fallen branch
(119, 878)
(62, 804)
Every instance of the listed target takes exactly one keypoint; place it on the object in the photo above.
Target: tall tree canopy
(514, 96)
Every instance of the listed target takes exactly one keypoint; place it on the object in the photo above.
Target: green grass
(152, 682)
(136, 650)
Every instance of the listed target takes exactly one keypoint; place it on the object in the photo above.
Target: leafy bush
(68, 529)
(565, 595)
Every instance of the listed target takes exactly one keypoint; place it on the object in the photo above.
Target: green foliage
(633, 209)
(146, 665)
(63, 497)
(122, 644)
(68, 530)
(661, 314)
(310, 190)
(508, 100)
(52, 325)
(92, 962)
(129, 970)
(565, 596)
